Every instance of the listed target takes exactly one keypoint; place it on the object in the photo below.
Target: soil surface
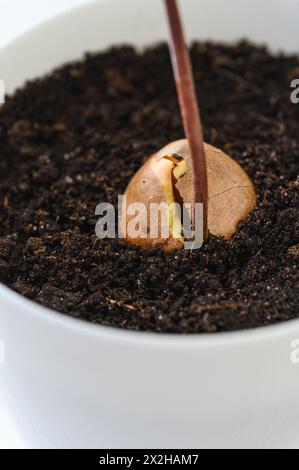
(75, 138)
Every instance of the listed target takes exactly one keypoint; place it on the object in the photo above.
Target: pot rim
(55, 318)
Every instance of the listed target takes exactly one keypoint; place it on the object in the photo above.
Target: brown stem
(183, 73)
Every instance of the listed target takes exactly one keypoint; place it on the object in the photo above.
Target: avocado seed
(166, 177)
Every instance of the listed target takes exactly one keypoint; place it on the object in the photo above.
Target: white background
(15, 17)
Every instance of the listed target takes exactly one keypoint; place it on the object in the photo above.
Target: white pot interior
(107, 22)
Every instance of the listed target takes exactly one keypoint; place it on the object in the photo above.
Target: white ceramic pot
(70, 384)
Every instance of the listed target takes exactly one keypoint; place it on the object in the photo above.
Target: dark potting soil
(75, 138)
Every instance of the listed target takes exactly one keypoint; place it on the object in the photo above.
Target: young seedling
(189, 171)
